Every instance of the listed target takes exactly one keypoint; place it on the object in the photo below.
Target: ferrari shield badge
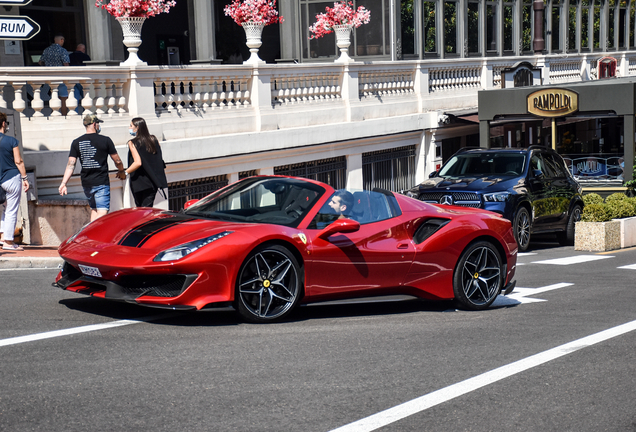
(302, 238)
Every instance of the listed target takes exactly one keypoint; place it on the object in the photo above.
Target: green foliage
(618, 196)
(592, 198)
(620, 209)
(616, 206)
(596, 213)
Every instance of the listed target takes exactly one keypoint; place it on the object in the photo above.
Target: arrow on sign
(18, 27)
(14, 2)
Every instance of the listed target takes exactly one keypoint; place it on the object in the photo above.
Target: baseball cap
(89, 119)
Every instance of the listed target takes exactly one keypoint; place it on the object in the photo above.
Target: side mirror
(538, 174)
(433, 174)
(339, 226)
(189, 203)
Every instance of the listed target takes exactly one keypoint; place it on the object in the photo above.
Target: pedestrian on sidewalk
(13, 179)
(93, 150)
(145, 164)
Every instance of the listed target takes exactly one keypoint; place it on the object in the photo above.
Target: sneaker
(13, 247)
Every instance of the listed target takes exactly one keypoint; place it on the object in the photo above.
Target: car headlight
(496, 197)
(180, 251)
(71, 238)
(411, 194)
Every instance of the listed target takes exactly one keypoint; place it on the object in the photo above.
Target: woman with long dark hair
(145, 164)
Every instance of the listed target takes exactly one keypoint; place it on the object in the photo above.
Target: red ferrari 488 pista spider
(268, 243)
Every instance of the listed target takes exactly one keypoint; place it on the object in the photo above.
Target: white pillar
(266, 171)
(204, 29)
(99, 45)
(233, 177)
(354, 172)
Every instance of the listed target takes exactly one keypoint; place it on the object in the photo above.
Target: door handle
(402, 246)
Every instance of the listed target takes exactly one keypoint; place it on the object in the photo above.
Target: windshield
(484, 164)
(274, 200)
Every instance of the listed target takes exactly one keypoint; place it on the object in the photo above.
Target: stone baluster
(37, 104)
(303, 91)
(55, 103)
(224, 87)
(238, 92)
(100, 93)
(72, 102)
(231, 92)
(197, 93)
(214, 94)
(205, 94)
(18, 103)
(171, 89)
(336, 87)
(110, 99)
(120, 98)
(179, 89)
(189, 92)
(160, 98)
(87, 100)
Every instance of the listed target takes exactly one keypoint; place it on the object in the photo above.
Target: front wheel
(567, 238)
(269, 284)
(521, 226)
(478, 277)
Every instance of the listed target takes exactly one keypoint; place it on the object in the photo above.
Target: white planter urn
(343, 40)
(131, 27)
(253, 32)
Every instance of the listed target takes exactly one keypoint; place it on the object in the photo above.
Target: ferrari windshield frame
(274, 200)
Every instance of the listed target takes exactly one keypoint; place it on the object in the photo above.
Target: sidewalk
(30, 257)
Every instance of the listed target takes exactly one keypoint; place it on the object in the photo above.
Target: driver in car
(341, 202)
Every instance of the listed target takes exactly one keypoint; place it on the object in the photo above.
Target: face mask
(132, 132)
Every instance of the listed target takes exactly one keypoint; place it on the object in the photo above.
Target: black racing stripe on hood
(140, 234)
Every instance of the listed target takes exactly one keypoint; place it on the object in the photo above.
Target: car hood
(153, 229)
(472, 184)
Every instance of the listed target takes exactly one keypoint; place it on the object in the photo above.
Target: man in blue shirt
(55, 55)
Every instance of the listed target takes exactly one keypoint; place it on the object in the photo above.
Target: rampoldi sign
(553, 102)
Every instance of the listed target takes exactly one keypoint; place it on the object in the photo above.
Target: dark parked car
(531, 187)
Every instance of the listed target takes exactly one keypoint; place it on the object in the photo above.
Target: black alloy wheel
(566, 238)
(521, 227)
(478, 277)
(269, 284)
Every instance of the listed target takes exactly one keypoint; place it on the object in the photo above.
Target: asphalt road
(328, 366)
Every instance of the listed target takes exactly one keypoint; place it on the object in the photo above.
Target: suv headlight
(496, 197)
(178, 252)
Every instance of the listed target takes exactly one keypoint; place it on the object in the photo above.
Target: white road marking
(76, 330)
(520, 295)
(440, 396)
(522, 254)
(573, 260)
(628, 267)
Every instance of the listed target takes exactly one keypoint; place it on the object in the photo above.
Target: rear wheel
(269, 284)
(566, 238)
(521, 226)
(478, 276)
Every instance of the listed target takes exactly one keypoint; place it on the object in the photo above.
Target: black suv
(531, 187)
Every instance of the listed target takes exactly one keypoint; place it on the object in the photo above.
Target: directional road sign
(17, 27)
(14, 2)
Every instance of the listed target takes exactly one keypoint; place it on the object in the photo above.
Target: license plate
(90, 271)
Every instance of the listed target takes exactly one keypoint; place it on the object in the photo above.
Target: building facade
(407, 102)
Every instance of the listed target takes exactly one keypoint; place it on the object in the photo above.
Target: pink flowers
(341, 13)
(254, 11)
(136, 8)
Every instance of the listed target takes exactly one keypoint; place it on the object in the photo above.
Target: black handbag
(3, 196)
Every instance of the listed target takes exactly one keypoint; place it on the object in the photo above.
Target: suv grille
(464, 199)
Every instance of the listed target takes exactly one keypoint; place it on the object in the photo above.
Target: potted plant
(131, 15)
(606, 224)
(341, 19)
(253, 16)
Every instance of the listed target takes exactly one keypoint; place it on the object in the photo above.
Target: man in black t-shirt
(93, 150)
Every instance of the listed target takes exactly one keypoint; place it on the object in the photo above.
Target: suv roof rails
(463, 149)
(539, 147)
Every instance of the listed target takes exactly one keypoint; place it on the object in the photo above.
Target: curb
(11, 263)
